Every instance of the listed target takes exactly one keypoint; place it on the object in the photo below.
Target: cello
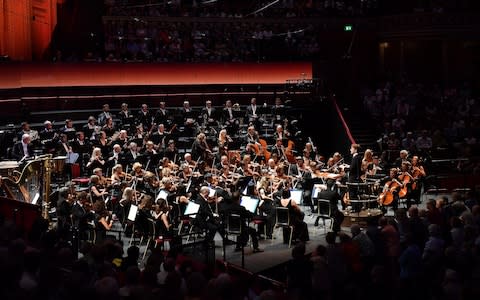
(289, 152)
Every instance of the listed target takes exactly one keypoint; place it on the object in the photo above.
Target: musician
(250, 151)
(91, 128)
(103, 220)
(253, 112)
(68, 129)
(162, 115)
(103, 144)
(104, 115)
(23, 149)
(160, 137)
(189, 161)
(278, 149)
(97, 190)
(208, 114)
(171, 152)
(418, 175)
(144, 117)
(367, 161)
(48, 136)
(229, 119)
(103, 181)
(200, 147)
(96, 160)
(121, 139)
(309, 152)
(232, 206)
(131, 154)
(128, 198)
(162, 221)
(64, 209)
(401, 159)
(81, 214)
(34, 136)
(115, 157)
(280, 133)
(224, 140)
(208, 218)
(117, 174)
(278, 110)
(109, 127)
(149, 149)
(392, 184)
(267, 205)
(252, 136)
(138, 172)
(125, 116)
(331, 195)
(300, 229)
(80, 145)
(355, 165)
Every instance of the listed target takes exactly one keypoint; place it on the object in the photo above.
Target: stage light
(347, 27)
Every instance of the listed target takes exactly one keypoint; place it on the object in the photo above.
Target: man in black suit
(144, 117)
(355, 165)
(229, 118)
(331, 195)
(253, 112)
(208, 114)
(22, 149)
(208, 218)
(162, 116)
(232, 206)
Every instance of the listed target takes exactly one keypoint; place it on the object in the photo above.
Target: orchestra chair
(150, 236)
(325, 213)
(259, 221)
(233, 227)
(283, 220)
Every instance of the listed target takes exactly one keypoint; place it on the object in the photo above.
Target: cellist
(391, 187)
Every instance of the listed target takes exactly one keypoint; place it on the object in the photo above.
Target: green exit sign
(347, 27)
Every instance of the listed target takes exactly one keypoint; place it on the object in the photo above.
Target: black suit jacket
(355, 169)
(161, 117)
(331, 196)
(17, 151)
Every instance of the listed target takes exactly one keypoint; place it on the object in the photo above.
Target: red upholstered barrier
(18, 75)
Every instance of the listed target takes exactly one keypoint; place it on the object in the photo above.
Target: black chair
(283, 220)
(325, 212)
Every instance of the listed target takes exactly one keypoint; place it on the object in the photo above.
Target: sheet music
(132, 213)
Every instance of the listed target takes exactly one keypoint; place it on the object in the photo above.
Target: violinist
(189, 161)
(267, 205)
(117, 174)
(128, 198)
(162, 221)
(208, 217)
(81, 213)
(103, 181)
(308, 152)
(367, 162)
(249, 151)
(97, 190)
(150, 184)
(271, 167)
(103, 217)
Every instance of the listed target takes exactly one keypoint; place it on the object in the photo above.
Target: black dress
(300, 229)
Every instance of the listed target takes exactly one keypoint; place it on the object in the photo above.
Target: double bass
(262, 149)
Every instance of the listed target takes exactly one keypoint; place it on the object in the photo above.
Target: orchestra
(138, 163)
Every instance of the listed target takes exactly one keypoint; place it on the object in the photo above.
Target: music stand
(296, 195)
(251, 204)
(192, 209)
